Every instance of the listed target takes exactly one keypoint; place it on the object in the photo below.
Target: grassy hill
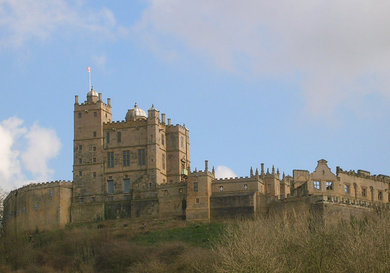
(276, 244)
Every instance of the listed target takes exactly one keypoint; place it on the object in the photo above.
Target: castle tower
(88, 157)
(198, 195)
(156, 151)
(178, 152)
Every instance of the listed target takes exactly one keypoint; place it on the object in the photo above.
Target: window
(380, 195)
(94, 134)
(79, 114)
(94, 148)
(182, 141)
(317, 185)
(162, 140)
(197, 201)
(110, 187)
(108, 137)
(35, 207)
(80, 148)
(195, 186)
(347, 189)
(110, 159)
(126, 158)
(364, 192)
(51, 193)
(126, 185)
(163, 161)
(141, 157)
(80, 173)
(95, 114)
(80, 161)
(245, 186)
(119, 137)
(220, 188)
(329, 186)
(94, 174)
(94, 160)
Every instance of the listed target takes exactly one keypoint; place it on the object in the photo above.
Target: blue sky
(284, 83)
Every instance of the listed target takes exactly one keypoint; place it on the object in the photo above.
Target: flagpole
(89, 72)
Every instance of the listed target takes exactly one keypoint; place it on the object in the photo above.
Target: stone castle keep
(140, 167)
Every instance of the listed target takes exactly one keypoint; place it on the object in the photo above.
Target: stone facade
(140, 167)
(42, 206)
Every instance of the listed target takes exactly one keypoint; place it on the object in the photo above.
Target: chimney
(206, 165)
(76, 99)
(109, 102)
(163, 118)
(169, 121)
(100, 96)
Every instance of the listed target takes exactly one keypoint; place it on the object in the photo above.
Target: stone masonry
(140, 167)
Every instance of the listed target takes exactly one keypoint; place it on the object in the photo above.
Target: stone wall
(172, 200)
(234, 205)
(42, 206)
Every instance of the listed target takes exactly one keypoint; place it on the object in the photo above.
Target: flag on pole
(89, 69)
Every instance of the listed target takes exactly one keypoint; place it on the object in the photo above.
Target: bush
(305, 245)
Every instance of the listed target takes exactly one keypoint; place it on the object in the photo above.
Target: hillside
(261, 245)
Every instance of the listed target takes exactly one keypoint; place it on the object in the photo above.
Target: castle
(140, 167)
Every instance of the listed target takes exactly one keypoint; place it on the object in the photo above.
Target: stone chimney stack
(163, 118)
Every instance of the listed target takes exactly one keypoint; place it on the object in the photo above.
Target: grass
(201, 235)
(273, 244)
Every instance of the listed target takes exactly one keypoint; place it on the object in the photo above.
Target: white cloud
(224, 172)
(100, 60)
(23, 20)
(338, 48)
(43, 145)
(25, 153)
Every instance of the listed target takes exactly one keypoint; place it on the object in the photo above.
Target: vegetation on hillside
(3, 195)
(274, 244)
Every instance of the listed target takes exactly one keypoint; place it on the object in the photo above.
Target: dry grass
(304, 245)
(264, 245)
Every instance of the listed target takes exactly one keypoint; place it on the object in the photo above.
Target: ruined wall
(234, 205)
(327, 208)
(38, 207)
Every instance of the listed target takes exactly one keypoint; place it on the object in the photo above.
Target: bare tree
(3, 194)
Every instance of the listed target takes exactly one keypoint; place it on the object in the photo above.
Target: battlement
(124, 124)
(176, 127)
(86, 103)
(240, 179)
(364, 174)
(200, 172)
(43, 185)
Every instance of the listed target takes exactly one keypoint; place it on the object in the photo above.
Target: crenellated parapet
(241, 179)
(364, 174)
(40, 186)
(113, 125)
